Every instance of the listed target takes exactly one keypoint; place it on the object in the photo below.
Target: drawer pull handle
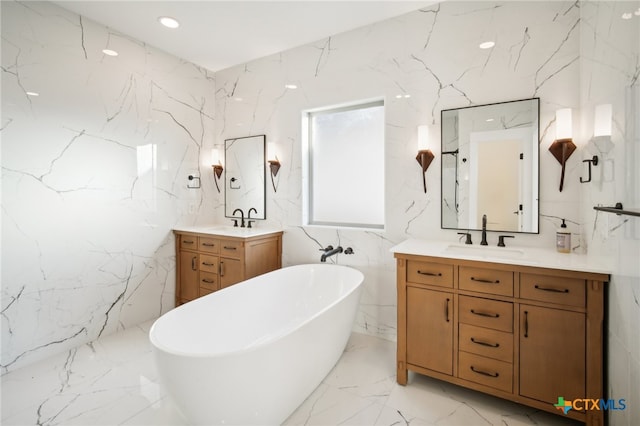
(208, 245)
(204, 280)
(187, 242)
(480, 342)
(551, 289)
(446, 310)
(484, 373)
(480, 280)
(526, 324)
(431, 274)
(208, 264)
(194, 266)
(222, 269)
(230, 248)
(485, 314)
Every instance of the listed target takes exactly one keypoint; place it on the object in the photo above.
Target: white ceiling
(219, 34)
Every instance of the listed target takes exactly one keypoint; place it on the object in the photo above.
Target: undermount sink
(485, 252)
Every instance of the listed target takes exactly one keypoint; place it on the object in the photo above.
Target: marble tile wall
(94, 176)
(421, 63)
(610, 67)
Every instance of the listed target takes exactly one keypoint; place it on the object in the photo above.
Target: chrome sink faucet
(484, 231)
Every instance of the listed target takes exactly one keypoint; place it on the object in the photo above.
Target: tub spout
(329, 253)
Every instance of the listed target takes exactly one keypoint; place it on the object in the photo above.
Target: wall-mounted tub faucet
(330, 251)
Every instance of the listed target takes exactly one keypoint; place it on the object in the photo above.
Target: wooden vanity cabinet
(526, 334)
(206, 263)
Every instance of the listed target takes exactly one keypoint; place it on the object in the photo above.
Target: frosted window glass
(346, 166)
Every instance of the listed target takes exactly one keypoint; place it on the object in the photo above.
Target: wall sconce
(563, 146)
(274, 165)
(217, 167)
(601, 134)
(425, 156)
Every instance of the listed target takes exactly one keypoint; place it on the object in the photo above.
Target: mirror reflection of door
(499, 186)
(489, 166)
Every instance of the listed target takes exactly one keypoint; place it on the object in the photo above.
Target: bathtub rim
(272, 339)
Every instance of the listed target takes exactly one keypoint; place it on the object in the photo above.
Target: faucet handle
(468, 234)
(327, 248)
(348, 250)
(501, 239)
(235, 223)
(249, 222)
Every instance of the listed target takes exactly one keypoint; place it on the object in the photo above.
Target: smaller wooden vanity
(526, 333)
(207, 261)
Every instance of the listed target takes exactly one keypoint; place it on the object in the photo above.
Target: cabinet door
(230, 271)
(552, 353)
(188, 276)
(430, 329)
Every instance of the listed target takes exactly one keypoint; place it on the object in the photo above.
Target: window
(344, 166)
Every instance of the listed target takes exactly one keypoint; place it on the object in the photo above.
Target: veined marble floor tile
(113, 381)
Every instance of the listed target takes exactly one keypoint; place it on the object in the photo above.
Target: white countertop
(227, 230)
(510, 255)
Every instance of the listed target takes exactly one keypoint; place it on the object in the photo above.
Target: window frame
(308, 165)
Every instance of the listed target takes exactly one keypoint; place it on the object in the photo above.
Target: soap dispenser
(563, 239)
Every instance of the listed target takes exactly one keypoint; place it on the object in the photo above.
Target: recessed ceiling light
(487, 45)
(109, 52)
(488, 120)
(398, 96)
(168, 22)
(627, 15)
(407, 96)
(637, 12)
(237, 99)
(290, 86)
(33, 93)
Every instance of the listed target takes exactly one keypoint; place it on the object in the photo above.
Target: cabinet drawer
(486, 371)
(231, 248)
(209, 281)
(209, 263)
(188, 242)
(486, 313)
(545, 288)
(486, 280)
(208, 245)
(430, 273)
(486, 342)
(203, 291)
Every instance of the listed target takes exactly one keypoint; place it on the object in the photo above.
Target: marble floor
(113, 381)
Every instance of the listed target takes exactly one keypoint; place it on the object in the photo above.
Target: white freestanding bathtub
(252, 353)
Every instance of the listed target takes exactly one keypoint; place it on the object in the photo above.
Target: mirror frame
(536, 167)
(228, 210)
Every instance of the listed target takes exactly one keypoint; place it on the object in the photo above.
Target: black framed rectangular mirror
(245, 165)
(490, 166)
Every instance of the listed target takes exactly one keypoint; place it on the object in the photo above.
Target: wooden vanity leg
(401, 354)
(401, 375)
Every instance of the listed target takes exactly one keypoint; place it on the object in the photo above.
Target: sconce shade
(564, 129)
(602, 120)
(423, 138)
